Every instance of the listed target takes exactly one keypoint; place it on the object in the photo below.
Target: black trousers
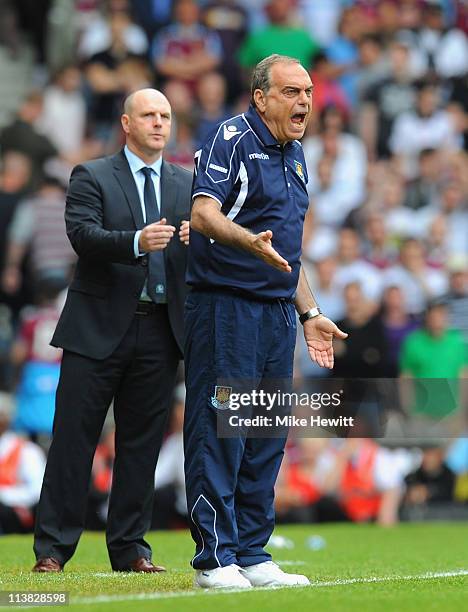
(139, 376)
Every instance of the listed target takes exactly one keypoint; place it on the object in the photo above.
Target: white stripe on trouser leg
(199, 531)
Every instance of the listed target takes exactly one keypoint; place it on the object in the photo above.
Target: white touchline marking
(327, 583)
(288, 562)
(174, 569)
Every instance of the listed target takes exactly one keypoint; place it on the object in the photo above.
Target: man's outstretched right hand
(155, 236)
(262, 248)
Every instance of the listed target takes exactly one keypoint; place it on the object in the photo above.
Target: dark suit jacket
(102, 213)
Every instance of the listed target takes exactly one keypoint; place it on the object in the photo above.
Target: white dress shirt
(136, 164)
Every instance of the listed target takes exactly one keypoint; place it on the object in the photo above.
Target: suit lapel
(169, 187)
(124, 176)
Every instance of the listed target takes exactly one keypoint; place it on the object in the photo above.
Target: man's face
(287, 105)
(148, 122)
(437, 320)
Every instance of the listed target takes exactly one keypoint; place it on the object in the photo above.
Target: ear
(125, 120)
(259, 98)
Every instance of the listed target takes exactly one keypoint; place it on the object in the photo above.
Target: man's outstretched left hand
(319, 333)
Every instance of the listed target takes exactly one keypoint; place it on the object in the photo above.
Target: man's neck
(148, 158)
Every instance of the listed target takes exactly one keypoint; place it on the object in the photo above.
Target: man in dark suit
(121, 331)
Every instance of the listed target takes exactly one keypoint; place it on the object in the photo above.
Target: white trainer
(270, 574)
(228, 577)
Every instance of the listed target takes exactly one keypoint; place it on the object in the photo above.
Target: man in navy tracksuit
(249, 203)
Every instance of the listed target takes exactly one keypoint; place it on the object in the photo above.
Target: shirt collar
(260, 128)
(136, 164)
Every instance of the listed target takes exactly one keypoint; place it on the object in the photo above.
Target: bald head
(141, 96)
(146, 121)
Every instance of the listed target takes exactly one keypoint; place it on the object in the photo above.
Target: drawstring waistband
(286, 312)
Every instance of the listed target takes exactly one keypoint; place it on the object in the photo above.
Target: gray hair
(262, 72)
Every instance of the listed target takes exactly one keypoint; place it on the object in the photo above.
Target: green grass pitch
(362, 567)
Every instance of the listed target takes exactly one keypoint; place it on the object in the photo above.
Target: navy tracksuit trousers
(230, 481)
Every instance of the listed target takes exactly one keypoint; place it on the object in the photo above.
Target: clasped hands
(156, 236)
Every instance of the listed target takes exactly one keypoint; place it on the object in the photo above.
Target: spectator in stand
(38, 363)
(212, 109)
(362, 483)
(38, 228)
(22, 136)
(63, 117)
(416, 279)
(423, 190)
(10, 37)
(388, 199)
(446, 49)
(182, 102)
(432, 483)
(387, 17)
(185, 50)
(425, 127)
(457, 296)
(230, 20)
(107, 81)
(365, 358)
(457, 456)
(352, 268)
(22, 465)
(15, 176)
(343, 53)
(320, 273)
(454, 209)
(327, 91)
(181, 149)
(180, 96)
(170, 505)
(279, 36)
(434, 352)
(300, 481)
(365, 353)
(377, 247)
(459, 103)
(437, 242)
(341, 181)
(321, 18)
(329, 210)
(397, 325)
(454, 168)
(152, 15)
(98, 35)
(32, 19)
(374, 65)
(387, 100)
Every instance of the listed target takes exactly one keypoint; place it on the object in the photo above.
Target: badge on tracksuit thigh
(221, 398)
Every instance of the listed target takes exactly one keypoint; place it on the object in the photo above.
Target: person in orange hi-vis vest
(22, 465)
(365, 482)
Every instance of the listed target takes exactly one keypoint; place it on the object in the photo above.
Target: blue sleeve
(217, 164)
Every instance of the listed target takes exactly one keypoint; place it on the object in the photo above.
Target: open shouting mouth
(299, 119)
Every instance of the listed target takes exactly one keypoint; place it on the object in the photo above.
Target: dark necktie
(156, 282)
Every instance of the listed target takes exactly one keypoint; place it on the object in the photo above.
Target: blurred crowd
(385, 241)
